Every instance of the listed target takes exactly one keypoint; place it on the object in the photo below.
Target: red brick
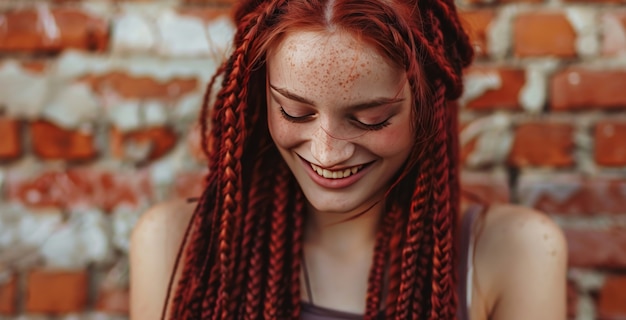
(543, 144)
(504, 97)
(477, 24)
(190, 184)
(140, 87)
(35, 66)
(614, 33)
(555, 194)
(573, 194)
(595, 1)
(490, 2)
(56, 292)
(114, 301)
(544, 34)
(612, 299)
(572, 300)
(8, 296)
(597, 248)
(51, 142)
(467, 149)
(485, 187)
(157, 141)
(23, 32)
(10, 146)
(579, 89)
(208, 13)
(208, 2)
(607, 194)
(79, 188)
(610, 143)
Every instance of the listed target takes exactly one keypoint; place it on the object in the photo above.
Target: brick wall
(97, 107)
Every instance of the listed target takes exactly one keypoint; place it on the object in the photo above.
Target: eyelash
(370, 127)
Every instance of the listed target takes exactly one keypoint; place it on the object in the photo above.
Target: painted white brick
(220, 36)
(124, 219)
(583, 19)
(478, 82)
(78, 242)
(133, 33)
(22, 93)
(154, 113)
(72, 106)
(181, 36)
(125, 115)
(494, 140)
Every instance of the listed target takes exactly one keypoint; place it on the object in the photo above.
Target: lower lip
(334, 183)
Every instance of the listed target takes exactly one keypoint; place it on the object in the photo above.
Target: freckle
(545, 236)
(553, 253)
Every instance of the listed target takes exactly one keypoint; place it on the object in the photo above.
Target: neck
(343, 232)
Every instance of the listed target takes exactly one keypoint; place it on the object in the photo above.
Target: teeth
(336, 174)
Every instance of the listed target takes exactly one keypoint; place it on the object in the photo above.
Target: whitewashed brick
(125, 115)
(220, 34)
(476, 83)
(133, 33)
(82, 240)
(124, 219)
(72, 106)
(583, 19)
(22, 93)
(181, 36)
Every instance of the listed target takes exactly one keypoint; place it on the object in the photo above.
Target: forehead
(318, 61)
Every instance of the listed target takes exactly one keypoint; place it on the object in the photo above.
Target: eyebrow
(376, 102)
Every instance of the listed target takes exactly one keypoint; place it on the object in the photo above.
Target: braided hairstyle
(243, 247)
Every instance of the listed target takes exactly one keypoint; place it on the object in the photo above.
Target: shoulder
(155, 242)
(526, 231)
(166, 219)
(521, 255)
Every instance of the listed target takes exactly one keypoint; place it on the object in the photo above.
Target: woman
(333, 186)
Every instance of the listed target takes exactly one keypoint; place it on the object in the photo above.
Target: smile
(328, 174)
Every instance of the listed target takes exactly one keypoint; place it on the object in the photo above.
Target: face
(339, 113)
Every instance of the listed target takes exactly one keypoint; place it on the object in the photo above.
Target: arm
(534, 283)
(155, 243)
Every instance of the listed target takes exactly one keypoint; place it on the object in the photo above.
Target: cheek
(394, 142)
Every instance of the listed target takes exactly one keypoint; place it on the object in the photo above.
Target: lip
(334, 183)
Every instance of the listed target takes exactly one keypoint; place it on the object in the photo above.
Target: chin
(338, 204)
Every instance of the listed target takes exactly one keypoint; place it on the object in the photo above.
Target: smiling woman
(328, 117)
(333, 189)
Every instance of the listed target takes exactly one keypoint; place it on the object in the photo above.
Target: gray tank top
(312, 312)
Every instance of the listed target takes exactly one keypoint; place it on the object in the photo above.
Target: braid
(395, 259)
(411, 249)
(381, 255)
(275, 289)
(443, 283)
(297, 255)
(243, 257)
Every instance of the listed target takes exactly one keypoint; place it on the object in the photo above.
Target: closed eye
(372, 127)
(291, 118)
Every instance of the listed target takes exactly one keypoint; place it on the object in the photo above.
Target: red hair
(242, 256)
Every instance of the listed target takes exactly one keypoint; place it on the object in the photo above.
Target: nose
(328, 150)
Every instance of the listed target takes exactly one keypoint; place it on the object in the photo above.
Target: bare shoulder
(164, 219)
(155, 243)
(530, 231)
(522, 257)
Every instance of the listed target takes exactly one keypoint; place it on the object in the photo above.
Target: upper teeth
(336, 174)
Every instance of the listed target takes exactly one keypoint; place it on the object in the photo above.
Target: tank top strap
(466, 263)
